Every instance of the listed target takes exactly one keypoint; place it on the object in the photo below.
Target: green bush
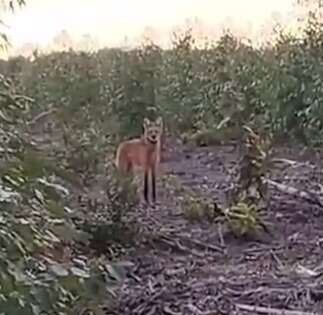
(35, 277)
(225, 84)
(114, 222)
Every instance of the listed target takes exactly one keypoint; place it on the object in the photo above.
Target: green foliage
(179, 84)
(193, 205)
(200, 91)
(246, 196)
(115, 222)
(138, 75)
(197, 208)
(192, 209)
(248, 193)
(255, 158)
(33, 222)
(243, 219)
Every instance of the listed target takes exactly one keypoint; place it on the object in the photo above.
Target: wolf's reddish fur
(144, 153)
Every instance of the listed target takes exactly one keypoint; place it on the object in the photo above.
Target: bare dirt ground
(200, 269)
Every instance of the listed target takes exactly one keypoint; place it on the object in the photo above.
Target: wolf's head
(153, 129)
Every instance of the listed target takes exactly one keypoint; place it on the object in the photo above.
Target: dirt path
(200, 270)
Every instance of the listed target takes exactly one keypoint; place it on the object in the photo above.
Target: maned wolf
(143, 152)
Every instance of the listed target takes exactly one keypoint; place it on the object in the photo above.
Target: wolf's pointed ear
(159, 121)
(146, 122)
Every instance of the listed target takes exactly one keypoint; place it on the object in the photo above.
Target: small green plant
(122, 193)
(193, 205)
(203, 138)
(243, 219)
(249, 193)
(197, 208)
(114, 223)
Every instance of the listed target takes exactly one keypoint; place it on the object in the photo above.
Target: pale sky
(111, 20)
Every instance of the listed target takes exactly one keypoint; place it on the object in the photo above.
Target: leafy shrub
(35, 275)
(193, 205)
(196, 90)
(248, 193)
(114, 221)
(197, 208)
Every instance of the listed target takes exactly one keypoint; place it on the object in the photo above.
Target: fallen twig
(269, 310)
(306, 195)
(277, 260)
(292, 163)
(169, 311)
(136, 278)
(196, 311)
(175, 244)
(221, 235)
(202, 245)
(41, 115)
(149, 300)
